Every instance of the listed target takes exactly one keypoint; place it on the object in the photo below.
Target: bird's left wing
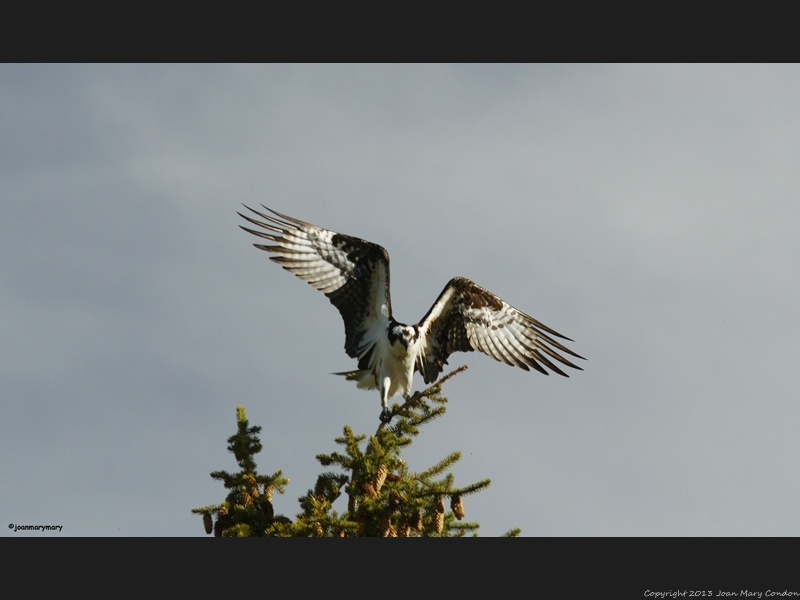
(351, 272)
(467, 317)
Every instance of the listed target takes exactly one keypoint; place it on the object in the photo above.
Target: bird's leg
(386, 416)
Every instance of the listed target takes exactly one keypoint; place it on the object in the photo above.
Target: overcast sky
(651, 213)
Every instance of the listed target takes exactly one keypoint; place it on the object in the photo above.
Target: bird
(354, 275)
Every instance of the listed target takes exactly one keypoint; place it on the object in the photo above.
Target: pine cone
(369, 490)
(248, 503)
(417, 524)
(380, 477)
(386, 526)
(268, 509)
(438, 522)
(457, 506)
(361, 516)
(208, 523)
(268, 492)
(252, 485)
(438, 514)
(318, 531)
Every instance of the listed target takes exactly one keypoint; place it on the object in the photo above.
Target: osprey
(354, 275)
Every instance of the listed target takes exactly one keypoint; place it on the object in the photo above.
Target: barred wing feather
(466, 317)
(351, 272)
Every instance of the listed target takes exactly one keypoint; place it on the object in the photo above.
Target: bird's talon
(386, 416)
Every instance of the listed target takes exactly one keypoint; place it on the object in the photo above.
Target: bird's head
(405, 334)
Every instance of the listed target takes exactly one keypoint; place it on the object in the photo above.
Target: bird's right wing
(352, 273)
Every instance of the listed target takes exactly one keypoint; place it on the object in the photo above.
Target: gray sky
(648, 212)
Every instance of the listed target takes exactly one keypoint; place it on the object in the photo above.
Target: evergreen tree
(247, 510)
(384, 497)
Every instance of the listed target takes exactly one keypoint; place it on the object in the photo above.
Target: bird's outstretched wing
(352, 273)
(466, 317)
